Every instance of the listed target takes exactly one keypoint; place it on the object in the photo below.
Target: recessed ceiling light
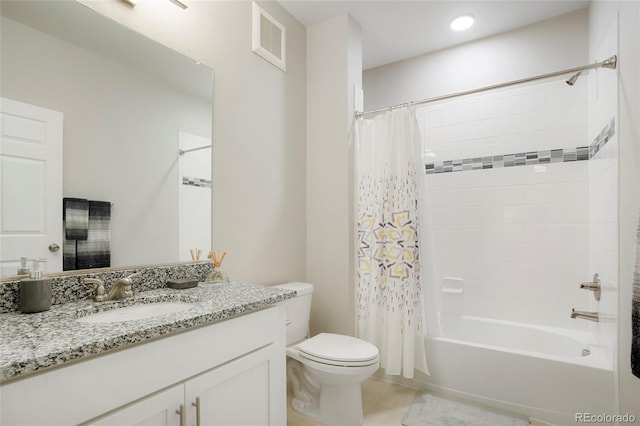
(462, 22)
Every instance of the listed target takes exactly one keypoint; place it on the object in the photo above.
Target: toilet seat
(338, 350)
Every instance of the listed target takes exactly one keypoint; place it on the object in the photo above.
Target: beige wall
(334, 68)
(259, 129)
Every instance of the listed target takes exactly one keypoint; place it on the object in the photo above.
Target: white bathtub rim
(582, 336)
(596, 359)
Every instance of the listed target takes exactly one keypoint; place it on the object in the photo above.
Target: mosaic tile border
(603, 137)
(580, 153)
(197, 182)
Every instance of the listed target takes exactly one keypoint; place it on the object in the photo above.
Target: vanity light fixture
(462, 22)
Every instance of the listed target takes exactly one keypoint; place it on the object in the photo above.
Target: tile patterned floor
(384, 404)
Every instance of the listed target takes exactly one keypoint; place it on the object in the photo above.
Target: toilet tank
(298, 311)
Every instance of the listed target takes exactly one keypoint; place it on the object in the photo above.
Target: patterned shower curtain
(389, 292)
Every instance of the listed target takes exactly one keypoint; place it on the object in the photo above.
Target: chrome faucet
(591, 316)
(122, 289)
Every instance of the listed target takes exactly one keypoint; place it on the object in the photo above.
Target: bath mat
(430, 410)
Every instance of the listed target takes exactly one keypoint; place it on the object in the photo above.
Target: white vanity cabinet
(238, 393)
(230, 373)
(156, 410)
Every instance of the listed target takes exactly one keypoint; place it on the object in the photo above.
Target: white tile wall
(518, 236)
(603, 243)
(521, 246)
(534, 117)
(603, 208)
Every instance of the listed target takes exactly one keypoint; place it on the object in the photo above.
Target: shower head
(573, 78)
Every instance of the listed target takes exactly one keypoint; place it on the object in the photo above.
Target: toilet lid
(337, 349)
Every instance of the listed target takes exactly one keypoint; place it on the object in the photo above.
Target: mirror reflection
(133, 119)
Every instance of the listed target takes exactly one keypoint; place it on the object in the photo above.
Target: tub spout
(591, 316)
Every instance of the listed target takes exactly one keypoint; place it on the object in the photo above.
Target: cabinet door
(248, 391)
(156, 410)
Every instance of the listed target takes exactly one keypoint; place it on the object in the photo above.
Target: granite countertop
(33, 342)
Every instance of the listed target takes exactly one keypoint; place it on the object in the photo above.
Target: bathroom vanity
(221, 362)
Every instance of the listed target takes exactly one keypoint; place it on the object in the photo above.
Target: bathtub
(545, 373)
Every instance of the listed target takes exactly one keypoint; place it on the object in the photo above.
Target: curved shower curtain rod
(610, 62)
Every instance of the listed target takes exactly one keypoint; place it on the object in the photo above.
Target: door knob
(54, 247)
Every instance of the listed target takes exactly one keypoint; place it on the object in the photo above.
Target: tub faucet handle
(593, 286)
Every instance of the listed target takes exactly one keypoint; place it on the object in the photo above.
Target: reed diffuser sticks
(217, 275)
(195, 254)
(217, 258)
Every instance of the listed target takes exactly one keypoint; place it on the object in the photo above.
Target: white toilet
(327, 370)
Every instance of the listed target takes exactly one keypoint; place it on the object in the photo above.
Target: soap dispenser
(23, 269)
(35, 292)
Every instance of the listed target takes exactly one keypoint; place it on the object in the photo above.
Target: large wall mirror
(136, 128)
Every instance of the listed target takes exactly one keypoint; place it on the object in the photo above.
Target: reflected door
(30, 184)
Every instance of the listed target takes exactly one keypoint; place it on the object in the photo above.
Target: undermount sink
(137, 312)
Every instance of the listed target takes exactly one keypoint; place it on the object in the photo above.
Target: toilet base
(333, 405)
(338, 406)
(307, 409)
(326, 393)
(341, 405)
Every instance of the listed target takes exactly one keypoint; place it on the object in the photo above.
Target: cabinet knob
(53, 247)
